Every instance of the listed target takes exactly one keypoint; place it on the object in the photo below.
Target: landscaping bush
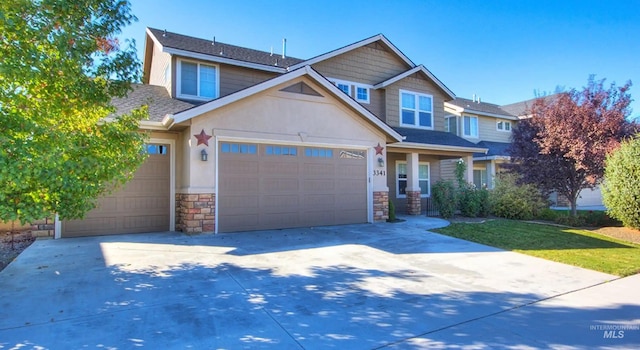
(569, 220)
(444, 198)
(512, 201)
(621, 187)
(392, 212)
(548, 214)
(473, 201)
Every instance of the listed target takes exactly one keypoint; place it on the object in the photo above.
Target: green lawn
(566, 245)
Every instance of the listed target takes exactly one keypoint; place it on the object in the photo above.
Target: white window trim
(464, 134)
(342, 82)
(504, 122)
(355, 90)
(428, 194)
(179, 93)
(417, 120)
(446, 124)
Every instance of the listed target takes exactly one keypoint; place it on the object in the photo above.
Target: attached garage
(270, 186)
(142, 205)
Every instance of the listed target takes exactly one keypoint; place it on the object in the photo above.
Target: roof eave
(492, 158)
(224, 60)
(451, 108)
(437, 147)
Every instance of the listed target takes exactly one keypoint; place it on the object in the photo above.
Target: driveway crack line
(397, 342)
(266, 311)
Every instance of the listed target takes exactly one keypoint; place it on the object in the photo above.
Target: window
(156, 149)
(318, 152)
(423, 179)
(416, 109)
(281, 151)
(480, 178)
(504, 125)
(197, 80)
(362, 94)
(470, 126)
(239, 148)
(451, 124)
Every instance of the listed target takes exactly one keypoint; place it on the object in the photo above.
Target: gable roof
(522, 108)
(156, 97)
(437, 138)
(306, 70)
(188, 46)
(416, 69)
(489, 109)
(354, 46)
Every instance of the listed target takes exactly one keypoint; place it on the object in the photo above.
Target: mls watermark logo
(614, 331)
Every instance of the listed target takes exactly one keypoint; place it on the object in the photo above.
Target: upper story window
(503, 125)
(362, 94)
(197, 80)
(416, 109)
(345, 86)
(451, 124)
(470, 126)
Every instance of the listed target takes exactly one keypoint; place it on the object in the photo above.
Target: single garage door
(274, 186)
(142, 205)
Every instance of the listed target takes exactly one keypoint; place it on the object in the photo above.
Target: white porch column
(469, 175)
(413, 184)
(491, 173)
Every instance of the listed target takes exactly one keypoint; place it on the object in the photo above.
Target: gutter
(436, 147)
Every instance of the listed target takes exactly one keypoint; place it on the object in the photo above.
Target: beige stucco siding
(274, 116)
(369, 64)
(415, 84)
(160, 72)
(233, 79)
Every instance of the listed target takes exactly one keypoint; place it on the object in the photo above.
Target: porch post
(491, 174)
(413, 185)
(469, 174)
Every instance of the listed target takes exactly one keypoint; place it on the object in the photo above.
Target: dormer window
(197, 81)
(362, 94)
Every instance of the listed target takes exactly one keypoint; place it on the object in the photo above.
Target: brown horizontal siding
(415, 84)
(233, 79)
(370, 64)
(488, 130)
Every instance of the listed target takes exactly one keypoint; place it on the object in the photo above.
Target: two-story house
(243, 139)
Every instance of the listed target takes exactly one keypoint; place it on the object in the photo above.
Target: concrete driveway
(349, 287)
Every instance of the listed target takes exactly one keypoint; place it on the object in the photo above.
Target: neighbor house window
(451, 124)
(504, 125)
(423, 179)
(362, 94)
(470, 126)
(416, 109)
(197, 80)
(480, 178)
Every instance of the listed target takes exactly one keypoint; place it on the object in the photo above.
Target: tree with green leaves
(60, 145)
(621, 188)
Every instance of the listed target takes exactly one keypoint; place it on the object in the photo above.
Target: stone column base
(414, 206)
(195, 213)
(380, 206)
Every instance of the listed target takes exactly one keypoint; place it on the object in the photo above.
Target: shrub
(512, 201)
(392, 211)
(569, 220)
(548, 214)
(444, 199)
(473, 201)
(621, 187)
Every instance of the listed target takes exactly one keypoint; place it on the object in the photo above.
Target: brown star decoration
(203, 138)
(378, 149)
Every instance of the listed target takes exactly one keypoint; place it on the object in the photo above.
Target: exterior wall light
(381, 162)
(203, 155)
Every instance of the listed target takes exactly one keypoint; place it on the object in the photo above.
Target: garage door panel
(306, 189)
(241, 167)
(141, 205)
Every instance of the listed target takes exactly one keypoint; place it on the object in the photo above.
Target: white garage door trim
(172, 189)
(219, 139)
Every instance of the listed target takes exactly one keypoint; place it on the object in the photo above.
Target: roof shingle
(479, 106)
(156, 97)
(433, 137)
(207, 47)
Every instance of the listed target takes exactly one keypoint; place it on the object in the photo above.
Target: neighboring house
(489, 127)
(245, 140)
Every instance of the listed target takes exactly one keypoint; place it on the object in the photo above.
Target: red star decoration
(203, 138)
(378, 149)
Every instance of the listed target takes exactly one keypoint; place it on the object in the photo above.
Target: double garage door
(142, 205)
(264, 186)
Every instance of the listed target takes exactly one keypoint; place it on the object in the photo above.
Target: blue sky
(502, 51)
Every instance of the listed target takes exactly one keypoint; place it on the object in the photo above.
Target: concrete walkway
(348, 287)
